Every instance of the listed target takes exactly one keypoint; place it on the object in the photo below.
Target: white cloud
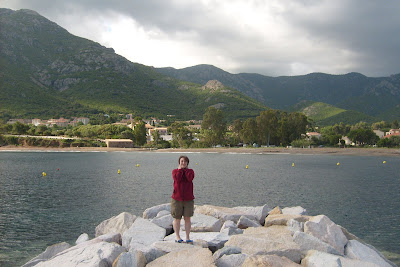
(268, 37)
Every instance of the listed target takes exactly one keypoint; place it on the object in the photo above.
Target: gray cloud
(290, 37)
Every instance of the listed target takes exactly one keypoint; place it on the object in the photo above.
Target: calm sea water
(83, 189)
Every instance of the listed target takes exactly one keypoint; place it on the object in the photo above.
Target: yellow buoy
(44, 174)
(196, 163)
(137, 165)
(384, 161)
(119, 171)
(247, 166)
(293, 164)
(338, 163)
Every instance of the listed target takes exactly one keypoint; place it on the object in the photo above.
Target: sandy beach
(262, 150)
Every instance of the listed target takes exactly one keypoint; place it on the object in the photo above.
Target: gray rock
(130, 259)
(295, 226)
(282, 219)
(82, 238)
(215, 240)
(317, 259)
(164, 222)
(233, 260)
(324, 229)
(260, 212)
(359, 251)
(89, 254)
(150, 252)
(266, 241)
(152, 212)
(203, 223)
(119, 223)
(50, 252)
(227, 250)
(309, 242)
(222, 213)
(163, 212)
(187, 257)
(294, 210)
(110, 237)
(268, 260)
(245, 222)
(230, 228)
(142, 233)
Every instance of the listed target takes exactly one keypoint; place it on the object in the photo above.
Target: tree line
(270, 128)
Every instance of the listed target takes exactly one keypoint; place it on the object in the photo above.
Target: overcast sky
(270, 37)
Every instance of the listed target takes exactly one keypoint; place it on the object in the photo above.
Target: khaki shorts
(181, 208)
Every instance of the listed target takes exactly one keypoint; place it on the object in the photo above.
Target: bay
(80, 190)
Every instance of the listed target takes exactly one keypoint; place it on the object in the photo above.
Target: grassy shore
(262, 150)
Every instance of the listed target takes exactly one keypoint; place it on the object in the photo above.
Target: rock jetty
(239, 236)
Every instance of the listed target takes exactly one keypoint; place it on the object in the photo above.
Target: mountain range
(352, 97)
(47, 72)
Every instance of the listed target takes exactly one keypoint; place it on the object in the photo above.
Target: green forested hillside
(374, 97)
(47, 72)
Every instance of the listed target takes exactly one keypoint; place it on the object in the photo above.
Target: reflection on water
(83, 189)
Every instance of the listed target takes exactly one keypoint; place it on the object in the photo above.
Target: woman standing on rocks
(182, 203)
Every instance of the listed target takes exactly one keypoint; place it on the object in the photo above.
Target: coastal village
(154, 124)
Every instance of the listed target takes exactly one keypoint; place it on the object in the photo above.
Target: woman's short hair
(183, 157)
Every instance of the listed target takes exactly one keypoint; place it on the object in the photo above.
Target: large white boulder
(267, 241)
(227, 250)
(317, 259)
(215, 240)
(119, 223)
(295, 226)
(233, 260)
(245, 222)
(282, 219)
(356, 250)
(268, 260)
(142, 233)
(203, 223)
(187, 257)
(164, 221)
(222, 213)
(130, 259)
(85, 254)
(82, 238)
(230, 228)
(309, 242)
(298, 210)
(324, 229)
(260, 212)
(152, 212)
(169, 246)
(50, 252)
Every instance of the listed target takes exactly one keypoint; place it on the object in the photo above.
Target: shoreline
(241, 150)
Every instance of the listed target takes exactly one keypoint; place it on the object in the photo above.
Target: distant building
(121, 143)
(194, 126)
(347, 141)
(313, 134)
(393, 131)
(61, 122)
(36, 122)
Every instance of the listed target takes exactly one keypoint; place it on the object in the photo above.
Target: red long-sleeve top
(183, 184)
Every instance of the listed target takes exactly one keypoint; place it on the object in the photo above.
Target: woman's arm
(189, 174)
(177, 175)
